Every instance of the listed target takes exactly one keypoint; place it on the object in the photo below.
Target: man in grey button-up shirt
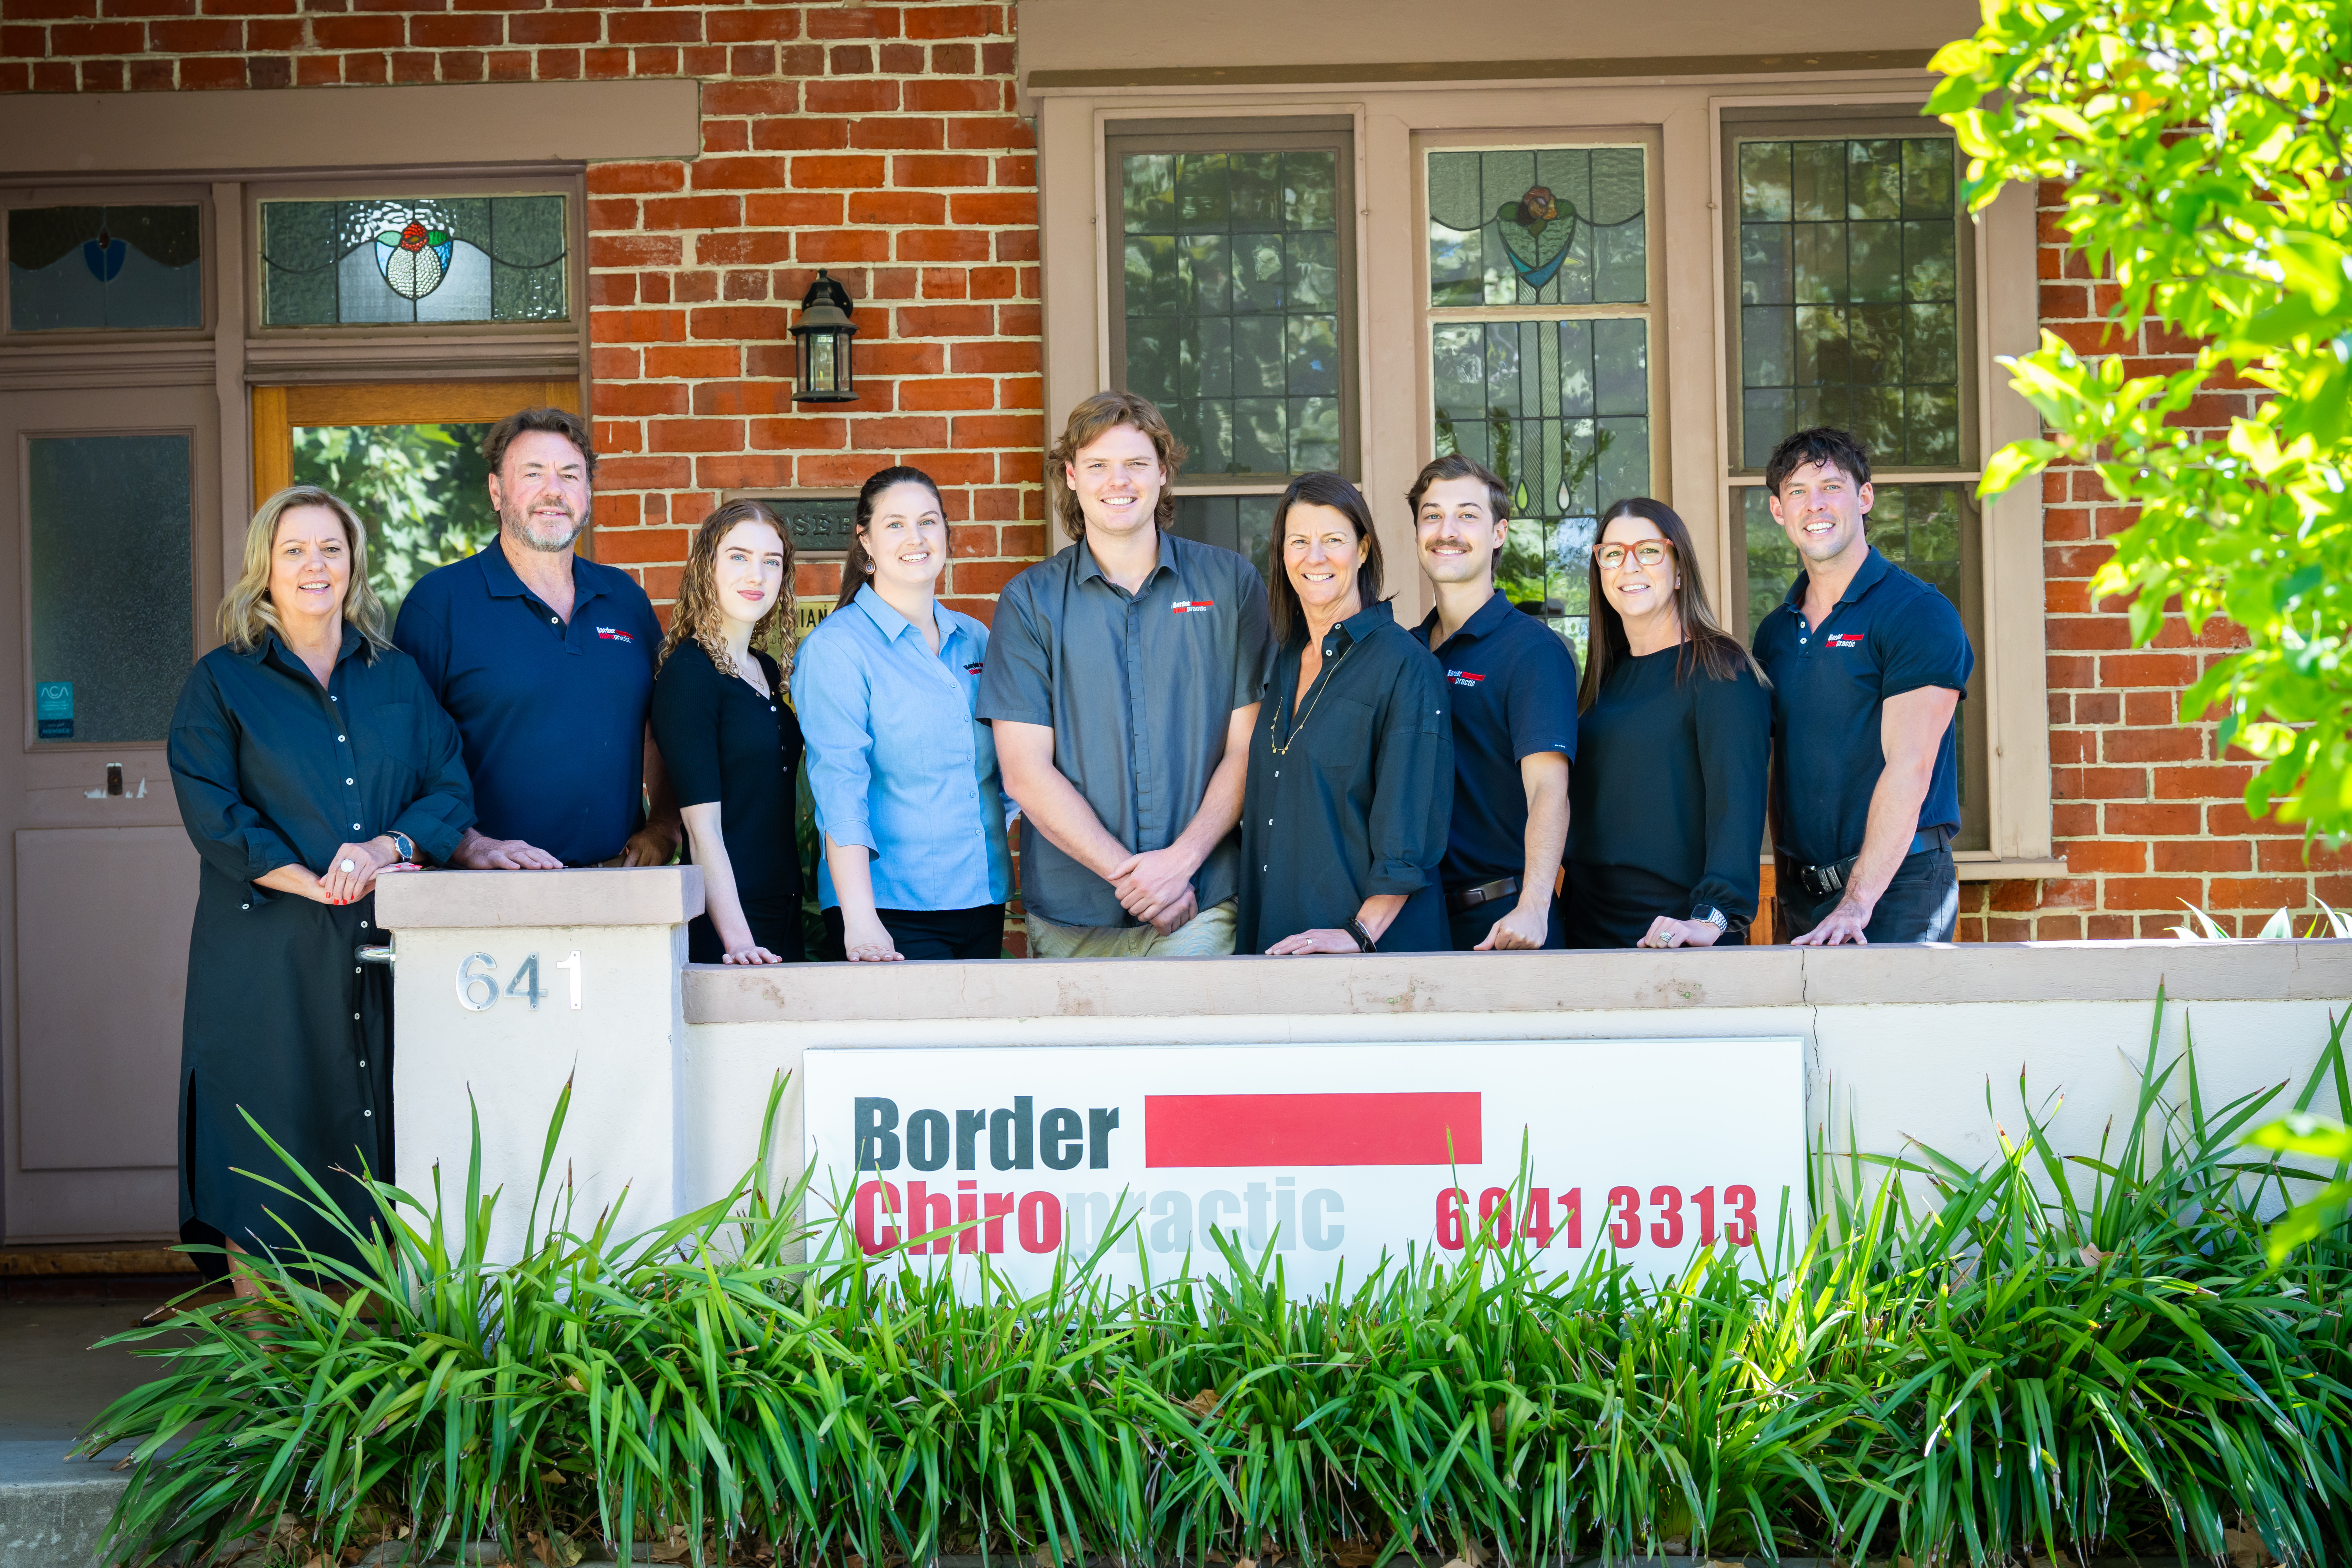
(1122, 683)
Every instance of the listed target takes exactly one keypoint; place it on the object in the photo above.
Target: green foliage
(2052, 1355)
(2202, 143)
(422, 490)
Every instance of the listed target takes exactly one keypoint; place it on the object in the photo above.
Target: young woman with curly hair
(730, 738)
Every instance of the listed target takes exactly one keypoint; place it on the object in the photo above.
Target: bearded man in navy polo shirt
(1868, 666)
(546, 662)
(1511, 683)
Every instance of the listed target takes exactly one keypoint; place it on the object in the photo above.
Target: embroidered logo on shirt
(1844, 640)
(610, 635)
(1188, 606)
(972, 670)
(1464, 678)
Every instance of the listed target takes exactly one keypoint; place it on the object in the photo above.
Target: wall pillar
(603, 949)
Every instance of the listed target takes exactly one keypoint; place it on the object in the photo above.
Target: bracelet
(1355, 928)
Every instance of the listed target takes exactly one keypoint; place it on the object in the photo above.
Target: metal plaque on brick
(817, 524)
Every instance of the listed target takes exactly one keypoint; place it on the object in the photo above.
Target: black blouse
(1667, 800)
(723, 742)
(273, 769)
(1359, 801)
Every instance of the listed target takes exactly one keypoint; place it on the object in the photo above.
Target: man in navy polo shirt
(546, 662)
(1512, 686)
(1868, 666)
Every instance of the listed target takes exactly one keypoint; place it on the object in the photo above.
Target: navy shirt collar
(1484, 621)
(1090, 567)
(499, 573)
(273, 643)
(1874, 567)
(1364, 622)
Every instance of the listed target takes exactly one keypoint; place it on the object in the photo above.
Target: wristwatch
(1712, 916)
(402, 843)
(1355, 928)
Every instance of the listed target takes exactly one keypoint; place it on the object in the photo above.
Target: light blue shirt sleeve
(831, 694)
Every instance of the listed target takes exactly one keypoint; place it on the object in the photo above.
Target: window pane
(1237, 522)
(1561, 225)
(95, 269)
(1861, 237)
(436, 260)
(1560, 411)
(1231, 304)
(422, 490)
(111, 509)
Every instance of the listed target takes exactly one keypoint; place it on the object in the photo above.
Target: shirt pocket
(1343, 751)
(387, 743)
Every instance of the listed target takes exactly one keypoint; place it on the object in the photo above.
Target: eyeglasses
(1648, 553)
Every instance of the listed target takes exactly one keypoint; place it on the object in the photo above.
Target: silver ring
(348, 867)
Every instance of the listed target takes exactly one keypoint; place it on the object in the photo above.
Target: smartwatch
(1712, 916)
(1355, 928)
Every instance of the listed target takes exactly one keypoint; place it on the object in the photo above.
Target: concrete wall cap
(592, 896)
(1532, 982)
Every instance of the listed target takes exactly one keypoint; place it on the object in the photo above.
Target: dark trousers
(927, 934)
(1921, 904)
(1470, 926)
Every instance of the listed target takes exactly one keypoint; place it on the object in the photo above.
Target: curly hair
(697, 617)
(1089, 422)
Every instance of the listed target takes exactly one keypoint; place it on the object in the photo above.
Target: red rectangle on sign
(1182, 1130)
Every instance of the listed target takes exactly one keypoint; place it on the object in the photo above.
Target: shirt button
(339, 737)
(245, 906)
(367, 1113)
(355, 1017)
(552, 620)
(351, 781)
(355, 828)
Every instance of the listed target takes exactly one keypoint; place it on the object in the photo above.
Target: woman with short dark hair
(309, 759)
(1350, 784)
(1665, 824)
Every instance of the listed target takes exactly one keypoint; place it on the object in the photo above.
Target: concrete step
(54, 1510)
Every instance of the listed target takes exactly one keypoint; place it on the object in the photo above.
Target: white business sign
(1325, 1153)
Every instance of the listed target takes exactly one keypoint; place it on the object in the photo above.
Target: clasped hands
(1156, 887)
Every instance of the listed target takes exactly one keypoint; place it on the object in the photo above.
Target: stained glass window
(406, 260)
(1849, 296)
(1561, 412)
(1232, 304)
(97, 269)
(1556, 226)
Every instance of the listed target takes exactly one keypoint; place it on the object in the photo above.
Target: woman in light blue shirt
(905, 778)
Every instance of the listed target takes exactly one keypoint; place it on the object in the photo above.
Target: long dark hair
(1707, 646)
(858, 565)
(1318, 490)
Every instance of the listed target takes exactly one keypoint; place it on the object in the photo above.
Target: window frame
(149, 194)
(1982, 733)
(1241, 133)
(1651, 311)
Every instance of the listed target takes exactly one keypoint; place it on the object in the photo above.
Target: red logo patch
(1464, 678)
(1845, 639)
(1190, 606)
(610, 635)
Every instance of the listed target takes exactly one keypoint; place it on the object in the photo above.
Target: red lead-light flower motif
(414, 259)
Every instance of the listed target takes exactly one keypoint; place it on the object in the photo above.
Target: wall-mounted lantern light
(825, 330)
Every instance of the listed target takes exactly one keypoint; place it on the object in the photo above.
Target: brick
(948, 95)
(791, 135)
(2093, 633)
(728, 98)
(846, 172)
(345, 33)
(792, 209)
(2170, 745)
(955, 21)
(893, 434)
(944, 321)
(949, 394)
(997, 357)
(2099, 784)
(849, 59)
(2204, 782)
(832, 247)
(449, 32)
(742, 59)
(939, 169)
(989, 577)
(768, 24)
(860, 94)
(640, 400)
(2196, 854)
(999, 430)
(50, 10)
(557, 28)
(212, 73)
(87, 37)
(943, 245)
(103, 76)
(991, 132)
(798, 433)
(2294, 856)
(655, 27)
(897, 207)
(2231, 819)
(693, 212)
(635, 179)
(2075, 819)
(561, 65)
(2170, 669)
(825, 472)
(852, 22)
(637, 326)
(997, 208)
(2149, 820)
(898, 131)
(634, 249)
(2255, 893)
(1021, 320)
(459, 65)
(2166, 893)
(632, 547)
(950, 60)
(738, 174)
(693, 362)
(409, 66)
(664, 472)
(212, 34)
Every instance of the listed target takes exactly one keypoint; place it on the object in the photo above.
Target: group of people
(1202, 760)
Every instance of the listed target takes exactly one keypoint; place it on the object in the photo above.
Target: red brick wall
(2147, 810)
(877, 141)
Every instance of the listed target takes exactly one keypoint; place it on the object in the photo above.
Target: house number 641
(478, 981)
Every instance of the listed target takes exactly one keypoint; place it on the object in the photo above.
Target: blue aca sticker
(53, 708)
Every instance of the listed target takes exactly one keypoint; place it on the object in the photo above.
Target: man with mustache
(546, 662)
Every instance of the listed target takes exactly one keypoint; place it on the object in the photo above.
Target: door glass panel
(422, 490)
(451, 259)
(94, 268)
(111, 583)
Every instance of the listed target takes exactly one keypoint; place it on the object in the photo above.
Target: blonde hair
(697, 615)
(246, 615)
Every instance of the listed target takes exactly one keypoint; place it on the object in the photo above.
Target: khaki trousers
(1209, 934)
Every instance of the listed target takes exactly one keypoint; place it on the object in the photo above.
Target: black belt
(1484, 893)
(1820, 882)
